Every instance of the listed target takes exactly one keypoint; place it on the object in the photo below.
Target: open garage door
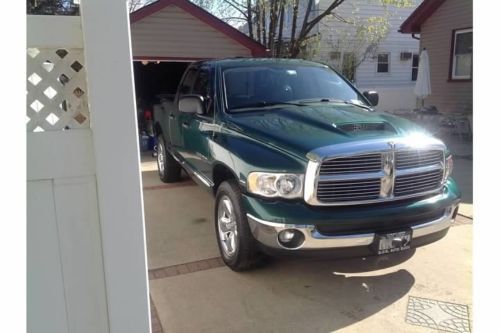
(155, 80)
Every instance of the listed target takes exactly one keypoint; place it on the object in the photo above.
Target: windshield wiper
(328, 100)
(262, 104)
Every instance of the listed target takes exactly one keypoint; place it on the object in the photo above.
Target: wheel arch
(221, 173)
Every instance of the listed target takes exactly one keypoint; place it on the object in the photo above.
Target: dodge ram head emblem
(392, 145)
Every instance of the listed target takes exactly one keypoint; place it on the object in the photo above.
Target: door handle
(171, 116)
(185, 125)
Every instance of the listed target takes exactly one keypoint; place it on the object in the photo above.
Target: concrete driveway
(192, 291)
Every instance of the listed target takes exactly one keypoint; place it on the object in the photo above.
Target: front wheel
(168, 168)
(236, 243)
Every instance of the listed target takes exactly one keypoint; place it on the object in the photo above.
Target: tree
(356, 38)
(265, 22)
(355, 42)
(134, 5)
(52, 7)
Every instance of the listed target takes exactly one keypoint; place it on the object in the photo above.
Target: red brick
(203, 264)
(171, 271)
(193, 266)
(183, 269)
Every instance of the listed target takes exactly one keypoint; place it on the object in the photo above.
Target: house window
(462, 55)
(383, 63)
(414, 67)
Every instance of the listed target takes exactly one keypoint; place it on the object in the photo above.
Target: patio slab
(353, 295)
(179, 225)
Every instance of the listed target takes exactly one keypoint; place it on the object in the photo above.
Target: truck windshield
(270, 85)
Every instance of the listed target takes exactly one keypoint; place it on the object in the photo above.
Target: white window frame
(453, 57)
(414, 67)
(388, 64)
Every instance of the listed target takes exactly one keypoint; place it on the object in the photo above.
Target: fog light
(286, 235)
(291, 238)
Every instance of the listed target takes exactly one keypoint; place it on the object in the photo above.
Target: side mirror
(372, 97)
(192, 104)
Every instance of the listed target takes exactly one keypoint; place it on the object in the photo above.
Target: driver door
(195, 132)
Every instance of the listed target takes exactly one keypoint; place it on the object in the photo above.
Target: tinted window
(188, 81)
(202, 87)
(250, 85)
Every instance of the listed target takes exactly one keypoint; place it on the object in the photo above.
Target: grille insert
(418, 158)
(352, 164)
(418, 183)
(348, 190)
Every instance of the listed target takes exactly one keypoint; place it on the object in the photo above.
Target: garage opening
(155, 82)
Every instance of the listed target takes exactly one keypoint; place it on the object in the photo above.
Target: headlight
(448, 167)
(285, 185)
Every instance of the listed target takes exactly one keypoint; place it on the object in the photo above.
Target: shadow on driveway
(284, 296)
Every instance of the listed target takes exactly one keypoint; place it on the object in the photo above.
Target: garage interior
(157, 79)
(154, 81)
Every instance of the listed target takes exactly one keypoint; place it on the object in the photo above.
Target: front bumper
(310, 220)
(267, 233)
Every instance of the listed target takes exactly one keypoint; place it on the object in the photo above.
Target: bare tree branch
(280, 28)
(238, 7)
(326, 12)
(294, 23)
(258, 21)
(249, 18)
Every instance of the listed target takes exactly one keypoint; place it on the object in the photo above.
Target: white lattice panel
(56, 89)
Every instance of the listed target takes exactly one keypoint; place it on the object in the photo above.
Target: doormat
(442, 316)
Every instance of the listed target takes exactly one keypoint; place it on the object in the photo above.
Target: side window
(462, 55)
(414, 67)
(383, 63)
(202, 87)
(187, 84)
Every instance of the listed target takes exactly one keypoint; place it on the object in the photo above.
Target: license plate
(393, 242)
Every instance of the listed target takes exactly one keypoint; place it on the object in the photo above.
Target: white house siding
(436, 35)
(174, 33)
(396, 87)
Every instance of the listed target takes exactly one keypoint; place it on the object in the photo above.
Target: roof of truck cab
(243, 62)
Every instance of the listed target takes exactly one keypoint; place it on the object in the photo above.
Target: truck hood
(300, 129)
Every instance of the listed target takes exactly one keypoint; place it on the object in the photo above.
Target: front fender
(243, 155)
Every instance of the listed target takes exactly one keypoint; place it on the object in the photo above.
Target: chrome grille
(418, 158)
(418, 182)
(348, 190)
(374, 171)
(352, 164)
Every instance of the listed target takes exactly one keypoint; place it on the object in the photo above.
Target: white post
(108, 57)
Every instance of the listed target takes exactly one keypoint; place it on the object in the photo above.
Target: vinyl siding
(436, 36)
(394, 43)
(172, 32)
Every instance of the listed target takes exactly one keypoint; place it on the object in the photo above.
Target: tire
(237, 246)
(168, 168)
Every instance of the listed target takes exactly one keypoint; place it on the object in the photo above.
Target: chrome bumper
(267, 233)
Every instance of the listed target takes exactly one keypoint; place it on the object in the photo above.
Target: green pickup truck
(301, 163)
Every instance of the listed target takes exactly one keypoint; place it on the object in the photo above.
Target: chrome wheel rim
(161, 158)
(226, 223)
